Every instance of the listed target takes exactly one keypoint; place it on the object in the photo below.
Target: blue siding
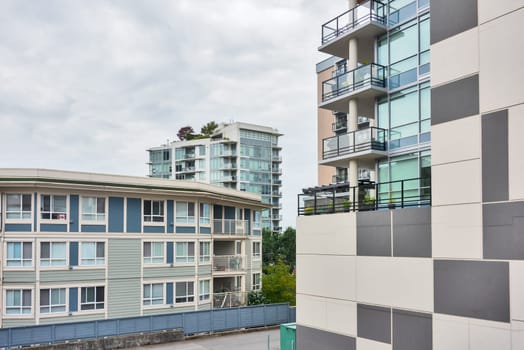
(170, 216)
(35, 213)
(217, 212)
(169, 293)
(73, 299)
(134, 213)
(169, 254)
(116, 214)
(17, 227)
(73, 253)
(93, 228)
(73, 213)
(185, 229)
(229, 213)
(205, 230)
(53, 227)
(154, 229)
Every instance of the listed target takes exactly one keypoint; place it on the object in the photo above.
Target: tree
(278, 284)
(277, 246)
(287, 245)
(256, 297)
(185, 133)
(209, 128)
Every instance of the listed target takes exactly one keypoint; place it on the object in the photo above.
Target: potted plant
(368, 203)
(346, 205)
(308, 211)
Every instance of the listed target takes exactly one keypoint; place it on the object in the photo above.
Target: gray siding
(19, 276)
(6, 323)
(72, 275)
(204, 270)
(68, 319)
(167, 310)
(170, 272)
(455, 100)
(495, 157)
(315, 339)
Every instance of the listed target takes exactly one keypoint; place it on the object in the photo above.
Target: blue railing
(207, 321)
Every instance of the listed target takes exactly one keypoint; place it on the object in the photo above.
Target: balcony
(276, 171)
(229, 299)
(368, 81)
(339, 125)
(365, 22)
(230, 228)
(337, 179)
(231, 178)
(228, 264)
(369, 143)
(367, 195)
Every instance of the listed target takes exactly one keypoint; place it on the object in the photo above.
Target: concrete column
(352, 3)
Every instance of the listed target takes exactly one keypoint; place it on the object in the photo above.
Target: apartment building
(82, 246)
(241, 156)
(413, 237)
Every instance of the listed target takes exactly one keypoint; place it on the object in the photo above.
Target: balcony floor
(366, 94)
(342, 160)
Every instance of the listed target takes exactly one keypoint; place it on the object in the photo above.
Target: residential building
(82, 246)
(241, 156)
(413, 237)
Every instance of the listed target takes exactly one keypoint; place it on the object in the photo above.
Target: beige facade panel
(448, 187)
(457, 231)
(405, 283)
(455, 141)
(486, 335)
(327, 234)
(516, 283)
(501, 65)
(463, 62)
(515, 148)
(517, 335)
(366, 344)
(489, 10)
(450, 333)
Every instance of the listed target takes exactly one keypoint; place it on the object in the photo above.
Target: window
(52, 300)
(256, 281)
(19, 254)
(256, 250)
(153, 252)
(204, 214)
(92, 253)
(185, 252)
(18, 206)
(184, 292)
(53, 207)
(185, 212)
(52, 254)
(92, 298)
(153, 294)
(205, 254)
(204, 290)
(93, 208)
(153, 211)
(18, 302)
(256, 220)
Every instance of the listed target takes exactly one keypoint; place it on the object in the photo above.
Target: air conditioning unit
(364, 174)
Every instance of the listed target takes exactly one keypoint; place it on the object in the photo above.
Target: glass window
(205, 253)
(204, 290)
(18, 206)
(205, 214)
(52, 300)
(153, 294)
(424, 35)
(185, 252)
(256, 281)
(184, 292)
(256, 221)
(403, 44)
(92, 253)
(52, 254)
(93, 208)
(256, 250)
(53, 207)
(19, 254)
(18, 302)
(153, 252)
(92, 298)
(404, 108)
(185, 212)
(153, 211)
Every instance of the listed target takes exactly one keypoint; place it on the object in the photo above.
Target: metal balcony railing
(368, 75)
(365, 12)
(356, 141)
(230, 227)
(228, 263)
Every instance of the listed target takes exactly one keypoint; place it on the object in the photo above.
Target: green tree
(277, 246)
(287, 246)
(256, 297)
(278, 284)
(209, 128)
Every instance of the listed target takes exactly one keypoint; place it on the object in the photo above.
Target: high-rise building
(413, 237)
(82, 246)
(240, 156)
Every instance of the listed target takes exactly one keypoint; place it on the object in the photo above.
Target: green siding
(19, 276)
(124, 289)
(17, 323)
(169, 272)
(73, 275)
(204, 270)
(75, 318)
(168, 310)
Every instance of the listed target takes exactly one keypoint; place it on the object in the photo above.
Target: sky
(90, 85)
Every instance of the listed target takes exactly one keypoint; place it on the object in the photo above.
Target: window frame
(51, 258)
(22, 259)
(256, 286)
(202, 258)
(204, 220)
(152, 216)
(151, 298)
(188, 259)
(62, 215)
(96, 259)
(99, 219)
(255, 255)
(152, 257)
(21, 307)
(21, 211)
(50, 306)
(187, 296)
(185, 219)
(204, 297)
(95, 303)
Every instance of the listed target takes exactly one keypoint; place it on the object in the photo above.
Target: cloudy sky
(90, 85)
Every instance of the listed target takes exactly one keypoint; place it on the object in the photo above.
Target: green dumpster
(288, 338)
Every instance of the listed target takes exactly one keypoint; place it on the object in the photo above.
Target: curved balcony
(365, 22)
(368, 81)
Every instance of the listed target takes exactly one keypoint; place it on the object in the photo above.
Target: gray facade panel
(19, 276)
(75, 275)
(412, 330)
(503, 232)
(169, 272)
(451, 17)
(315, 339)
(477, 289)
(412, 232)
(374, 233)
(455, 100)
(374, 323)
(495, 158)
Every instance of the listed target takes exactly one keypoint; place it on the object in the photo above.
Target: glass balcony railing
(366, 12)
(230, 227)
(364, 76)
(228, 263)
(339, 179)
(356, 141)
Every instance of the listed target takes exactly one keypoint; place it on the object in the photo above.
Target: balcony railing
(366, 12)
(338, 198)
(369, 75)
(230, 227)
(229, 299)
(228, 263)
(356, 141)
(336, 179)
